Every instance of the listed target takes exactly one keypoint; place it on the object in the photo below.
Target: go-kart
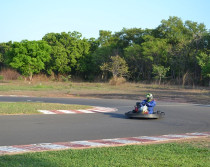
(141, 112)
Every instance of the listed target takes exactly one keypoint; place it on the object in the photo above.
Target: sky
(32, 19)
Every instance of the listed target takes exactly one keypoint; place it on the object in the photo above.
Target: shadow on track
(122, 116)
(115, 115)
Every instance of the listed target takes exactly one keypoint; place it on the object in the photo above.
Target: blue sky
(32, 19)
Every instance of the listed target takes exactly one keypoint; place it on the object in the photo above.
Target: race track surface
(29, 129)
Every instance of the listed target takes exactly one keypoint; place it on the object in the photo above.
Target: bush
(1, 77)
(117, 81)
(40, 77)
(66, 78)
(9, 74)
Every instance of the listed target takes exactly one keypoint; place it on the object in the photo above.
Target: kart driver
(149, 102)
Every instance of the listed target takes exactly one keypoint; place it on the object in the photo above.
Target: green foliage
(1, 77)
(155, 49)
(127, 37)
(185, 41)
(204, 62)
(105, 37)
(173, 30)
(29, 57)
(137, 62)
(67, 50)
(4, 47)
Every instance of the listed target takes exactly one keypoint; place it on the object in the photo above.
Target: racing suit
(150, 105)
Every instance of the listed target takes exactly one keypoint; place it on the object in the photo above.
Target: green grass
(171, 154)
(31, 108)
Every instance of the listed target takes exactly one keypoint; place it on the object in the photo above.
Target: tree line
(177, 51)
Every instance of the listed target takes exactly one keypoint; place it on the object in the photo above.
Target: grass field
(186, 154)
(135, 91)
(8, 108)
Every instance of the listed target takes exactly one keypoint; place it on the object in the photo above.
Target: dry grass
(126, 90)
(117, 81)
(9, 74)
(40, 78)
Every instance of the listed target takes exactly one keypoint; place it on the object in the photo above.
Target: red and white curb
(17, 149)
(89, 111)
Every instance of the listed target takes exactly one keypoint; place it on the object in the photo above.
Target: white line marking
(88, 143)
(93, 110)
(11, 149)
(122, 141)
(52, 146)
(178, 136)
(86, 111)
(46, 112)
(67, 111)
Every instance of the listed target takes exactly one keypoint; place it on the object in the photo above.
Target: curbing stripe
(177, 136)
(46, 112)
(57, 112)
(85, 111)
(17, 149)
(67, 112)
(89, 143)
(11, 149)
(153, 138)
(51, 146)
(89, 111)
(72, 145)
(123, 141)
(107, 142)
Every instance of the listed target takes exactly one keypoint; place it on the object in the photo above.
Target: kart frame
(155, 115)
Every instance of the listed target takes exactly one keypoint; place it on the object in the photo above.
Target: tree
(28, 57)
(4, 47)
(127, 37)
(204, 62)
(94, 44)
(136, 62)
(185, 41)
(160, 71)
(156, 49)
(172, 29)
(117, 66)
(67, 50)
(60, 61)
(105, 37)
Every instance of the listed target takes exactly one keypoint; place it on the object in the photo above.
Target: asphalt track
(28, 129)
